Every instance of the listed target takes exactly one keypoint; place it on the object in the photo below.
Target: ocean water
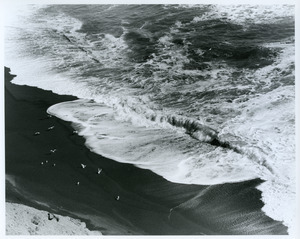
(199, 94)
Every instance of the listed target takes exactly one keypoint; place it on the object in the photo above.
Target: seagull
(42, 163)
(37, 133)
(83, 165)
(51, 127)
(54, 165)
(52, 150)
(118, 198)
(78, 183)
(99, 170)
(46, 161)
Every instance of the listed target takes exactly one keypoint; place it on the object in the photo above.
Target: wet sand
(147, 205)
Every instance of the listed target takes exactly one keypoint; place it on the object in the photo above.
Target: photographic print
(149, 119)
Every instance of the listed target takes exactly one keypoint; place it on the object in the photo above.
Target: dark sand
(145, 198)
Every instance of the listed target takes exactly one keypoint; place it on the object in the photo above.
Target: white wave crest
(171, 154)
(248, 14)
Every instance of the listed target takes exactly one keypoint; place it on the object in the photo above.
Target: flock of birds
(52, 151)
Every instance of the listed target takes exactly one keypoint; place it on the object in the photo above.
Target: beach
(36, 222)
(122, 199)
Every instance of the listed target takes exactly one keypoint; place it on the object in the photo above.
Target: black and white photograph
(149, 119)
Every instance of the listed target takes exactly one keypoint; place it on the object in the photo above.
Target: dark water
(200, 94)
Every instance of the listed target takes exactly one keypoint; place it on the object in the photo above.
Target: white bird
(51, 127)
(78, 183)
(42, 163)
(54, 165)
(52, 150)
(46, 161)
(99, 170)
(37, 133)
(118, 198)
(83, 165)
(75, 132)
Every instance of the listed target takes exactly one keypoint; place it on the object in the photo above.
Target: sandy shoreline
(36, 222)
(148, 205)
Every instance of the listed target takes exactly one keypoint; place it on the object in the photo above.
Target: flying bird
(51, 127)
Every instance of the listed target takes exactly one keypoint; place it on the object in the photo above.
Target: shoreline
(39, 222)
(148, 204)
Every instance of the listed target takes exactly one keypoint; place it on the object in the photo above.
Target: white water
(249, 14)
(261, 133)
